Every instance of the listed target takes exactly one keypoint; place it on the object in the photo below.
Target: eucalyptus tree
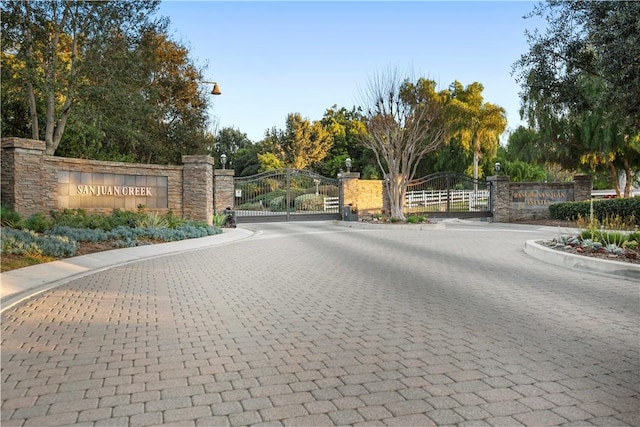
(146, 104)
(50, 40)
(580, 85)
(405, 121)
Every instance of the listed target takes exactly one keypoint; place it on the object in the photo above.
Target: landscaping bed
(575, 243)
(73, 232)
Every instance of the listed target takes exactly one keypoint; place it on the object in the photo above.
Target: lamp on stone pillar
(223, 160)
(347, 163)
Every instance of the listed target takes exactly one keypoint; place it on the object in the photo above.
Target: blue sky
(275, 58)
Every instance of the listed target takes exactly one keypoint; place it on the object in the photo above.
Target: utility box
(348, 214)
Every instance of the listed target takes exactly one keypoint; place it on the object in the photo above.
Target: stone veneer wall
(196, 190)
(224, 192)
(513, 201)
(371, 197)
(22, 162)
(51, 199)
(30, 180)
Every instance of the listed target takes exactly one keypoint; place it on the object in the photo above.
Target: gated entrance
(286, 195)
(449, 195)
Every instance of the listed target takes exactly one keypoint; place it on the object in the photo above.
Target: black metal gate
(286, 195)
(449, 195)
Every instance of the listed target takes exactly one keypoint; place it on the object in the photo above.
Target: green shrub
(152, 220)
(415, 219)
(325, 190)
(22, 242)
(252, 206)
(277, 204)
(309, 202)
(79, 218)
(219, 219)
(73, 226)
(37, 222)
(9, 218)
(174, 221)
(626, 208)
(78, 234)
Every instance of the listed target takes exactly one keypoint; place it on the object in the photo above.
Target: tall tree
(51, 39)
(478, 124)
(145, 104)
(300, 144)
(229, 141)
(580, 84)
(405, 121)
(347, 129)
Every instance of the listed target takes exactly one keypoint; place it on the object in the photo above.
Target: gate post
(500, 203)
(197, 188)
(22, 174)
(223, 189)
(582, 186)
(348, 191)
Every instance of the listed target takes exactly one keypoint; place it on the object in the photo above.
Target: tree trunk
(628, 186)
(614, 178)
(396, 196)
(33, 112)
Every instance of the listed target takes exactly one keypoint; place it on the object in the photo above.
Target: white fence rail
(475, 200)
(331, 204)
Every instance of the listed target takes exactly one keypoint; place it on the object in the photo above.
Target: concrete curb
(564, 259)
(23, 283)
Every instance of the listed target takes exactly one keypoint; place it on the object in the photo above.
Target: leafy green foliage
(580, 82)
(9, 218)
(603, 210)
(37, 222)
(219, 220)
(477, 124)
(20, 242)
(71, 226)
(309, 202)
(57, 49)
(234, 144)
(79, 218)
(301, 144)
(416, 219)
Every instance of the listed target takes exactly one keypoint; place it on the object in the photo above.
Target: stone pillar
(582, 187)
(223, 189)
(22, 170)
(197, 188)
(349, 189)
(500, 193)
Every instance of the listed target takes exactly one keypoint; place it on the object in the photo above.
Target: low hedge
(625, 208)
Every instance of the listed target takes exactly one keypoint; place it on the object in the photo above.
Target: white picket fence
(331, 204)
(475, 200)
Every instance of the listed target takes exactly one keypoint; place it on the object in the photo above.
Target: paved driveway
(314, 324)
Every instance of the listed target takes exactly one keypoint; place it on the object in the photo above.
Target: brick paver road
(314, 324)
